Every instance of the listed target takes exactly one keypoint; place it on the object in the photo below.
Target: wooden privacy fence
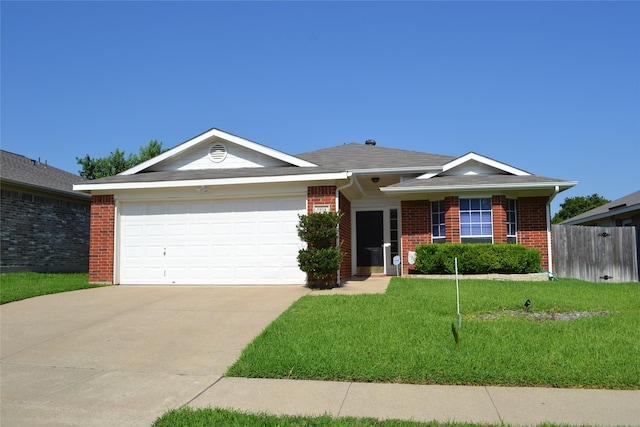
(595, 254)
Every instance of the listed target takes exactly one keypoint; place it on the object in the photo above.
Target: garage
(203, 242)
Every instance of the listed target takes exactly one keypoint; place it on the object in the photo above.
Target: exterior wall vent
(217, 153)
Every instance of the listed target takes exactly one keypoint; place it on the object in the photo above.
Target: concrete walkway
(124, 355)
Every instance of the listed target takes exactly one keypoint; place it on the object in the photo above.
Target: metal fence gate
(595, 254)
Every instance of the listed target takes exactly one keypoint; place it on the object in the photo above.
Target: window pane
(464, 204)
(486, 229)
(475, 216)
(486, 204)
(465, 229)
(475, 204)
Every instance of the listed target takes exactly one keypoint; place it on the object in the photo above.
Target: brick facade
(43, 233)
(345, 237)
(416, 228)
(101, 247)
(531, 224)
(325, 195)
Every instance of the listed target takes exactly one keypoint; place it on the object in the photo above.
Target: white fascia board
(210, 182)
(487, 161)
(526, 186)
(222, 135)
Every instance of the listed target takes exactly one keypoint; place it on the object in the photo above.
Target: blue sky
(549, 87)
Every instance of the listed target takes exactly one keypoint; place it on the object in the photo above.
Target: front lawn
(576, 334)
(19, 286)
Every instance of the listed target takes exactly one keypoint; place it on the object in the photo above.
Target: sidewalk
(494, 405)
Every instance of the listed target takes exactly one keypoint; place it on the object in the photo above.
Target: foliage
(477, 258)
(116, 162)
(19, 286)
(404, 336)
(321, 258)
(320, 263)
(319, 229)
(574, 206)
(189, 417)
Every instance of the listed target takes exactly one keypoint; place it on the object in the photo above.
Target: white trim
(522, 186)
(485, 160)
(222, 135)
(211, 182)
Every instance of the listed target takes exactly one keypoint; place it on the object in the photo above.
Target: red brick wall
(345, 237)
(416, 227)
(499, 218)
(452, 219)
(102, 239)
(321, 195)
(532, 225)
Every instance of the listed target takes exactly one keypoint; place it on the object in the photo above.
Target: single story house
(44, 224)
(621, 212)
(220, 209)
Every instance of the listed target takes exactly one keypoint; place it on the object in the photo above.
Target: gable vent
(217, 153)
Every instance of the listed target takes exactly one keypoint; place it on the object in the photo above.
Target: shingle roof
(197, 174)
(629, 202)
(478, 181)
(361, 156)
(19, 169)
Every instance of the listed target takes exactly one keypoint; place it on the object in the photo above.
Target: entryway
(369, 241)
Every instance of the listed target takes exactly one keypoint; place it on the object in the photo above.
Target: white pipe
(556, 190)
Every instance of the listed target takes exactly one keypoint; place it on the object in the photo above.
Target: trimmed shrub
(322, 258)
(477, 258)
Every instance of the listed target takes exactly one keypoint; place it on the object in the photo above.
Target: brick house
(44, 224)
(220, 209)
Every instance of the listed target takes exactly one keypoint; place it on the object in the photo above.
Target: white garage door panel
(211, 242)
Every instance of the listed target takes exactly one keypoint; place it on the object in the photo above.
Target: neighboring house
(624, 211)
(219, 209)
(44, 224)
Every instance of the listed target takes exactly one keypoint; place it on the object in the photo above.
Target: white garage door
(211, 242)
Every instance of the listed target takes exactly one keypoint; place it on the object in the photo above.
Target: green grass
(405, 336)
(19, 286)
(186, 416)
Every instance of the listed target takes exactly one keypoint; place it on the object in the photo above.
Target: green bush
(319, 229)
(477, 258)
(322, 258)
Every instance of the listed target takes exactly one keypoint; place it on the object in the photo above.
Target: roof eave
(88, 187)
(437, 189)
(74, 193)
(609, 214)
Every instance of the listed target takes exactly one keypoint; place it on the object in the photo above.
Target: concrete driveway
(123, 355)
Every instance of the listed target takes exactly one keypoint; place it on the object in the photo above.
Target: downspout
(347, 185)
(556, 190)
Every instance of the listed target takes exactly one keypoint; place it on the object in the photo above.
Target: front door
(369, 240)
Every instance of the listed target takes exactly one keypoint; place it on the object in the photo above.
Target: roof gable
(216, 149)
(476, 164)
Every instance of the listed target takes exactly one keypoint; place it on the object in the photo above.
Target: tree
(116, 162)
(573, 206)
